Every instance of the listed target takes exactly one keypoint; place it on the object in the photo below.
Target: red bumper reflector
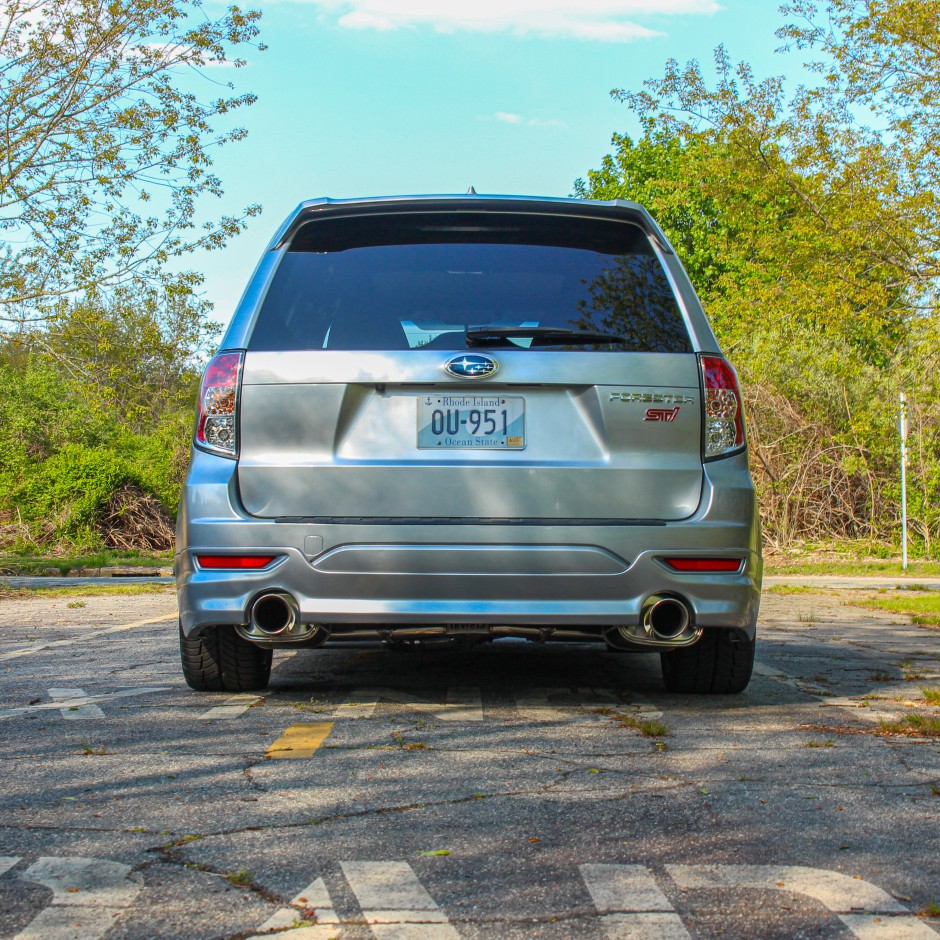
(704, 564)
(234, 562)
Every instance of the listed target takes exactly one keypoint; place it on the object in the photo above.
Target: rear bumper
(412, 574)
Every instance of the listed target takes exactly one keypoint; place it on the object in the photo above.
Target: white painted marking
(645, 711)
(7, 862)
(359, 704)
(861, 708)
(314, 897)
(88, 894)
(85, 637)
(536, 704)
(317, 897)
(839, 893)
(825, 701)
(233, 707)
(464, 704)
(640, 926)
(84, 881)
(80, 702)
(873, 927)
(623, 888)
(858, 903)
(69, 923)
(75, 712)
(395, 904)
(632, 904)
(762, 669)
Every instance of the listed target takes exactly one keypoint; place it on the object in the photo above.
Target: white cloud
(507, 117)
(362, 19)
(598, 20)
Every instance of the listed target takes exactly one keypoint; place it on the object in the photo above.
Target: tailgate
(338, 434)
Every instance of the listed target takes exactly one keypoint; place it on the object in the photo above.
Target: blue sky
(377, 97)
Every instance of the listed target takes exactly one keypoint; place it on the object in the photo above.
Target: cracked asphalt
(511, 791)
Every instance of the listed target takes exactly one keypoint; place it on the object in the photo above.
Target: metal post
(902, 428)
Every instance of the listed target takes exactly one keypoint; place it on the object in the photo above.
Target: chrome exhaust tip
(665, 617)
(274, 613)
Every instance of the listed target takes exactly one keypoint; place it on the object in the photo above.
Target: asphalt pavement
(511, 791)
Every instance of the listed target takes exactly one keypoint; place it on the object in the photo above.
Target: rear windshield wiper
(541, 336)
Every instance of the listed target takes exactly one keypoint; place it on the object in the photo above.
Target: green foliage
(96, 401)
(72, 487)
(107, 146)
(811, 240)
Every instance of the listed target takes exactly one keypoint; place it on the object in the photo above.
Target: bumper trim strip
(460, 520)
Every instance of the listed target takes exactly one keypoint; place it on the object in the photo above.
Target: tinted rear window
(416, 281)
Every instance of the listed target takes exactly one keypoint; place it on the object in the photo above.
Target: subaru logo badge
(471, 366)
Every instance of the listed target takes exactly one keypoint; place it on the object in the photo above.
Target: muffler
(274, 613)
(665, 617)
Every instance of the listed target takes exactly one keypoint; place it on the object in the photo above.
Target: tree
(105, 145)
(812, 239)
(882, 58)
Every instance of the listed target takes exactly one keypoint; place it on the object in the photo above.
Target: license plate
(491, 422)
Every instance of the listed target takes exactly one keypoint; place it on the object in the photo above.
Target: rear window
(414, 281)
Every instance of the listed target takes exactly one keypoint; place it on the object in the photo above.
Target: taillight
(713, 565)
(234, 562)
(218, 405)
(724, 416)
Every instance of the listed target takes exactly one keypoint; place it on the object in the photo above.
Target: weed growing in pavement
(94, 750)
(195, 837)
(652, 729)
(932, 696)
(914, 725)
(241, 878)
(649, 729)
(74, 605)
(808, 617)
(932, 909)
(820, 744)
(409, 745)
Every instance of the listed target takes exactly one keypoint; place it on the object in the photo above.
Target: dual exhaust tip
(665, 621)
(274, 613)
(665, 617)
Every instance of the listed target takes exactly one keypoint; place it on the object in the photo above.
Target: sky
(387, 97)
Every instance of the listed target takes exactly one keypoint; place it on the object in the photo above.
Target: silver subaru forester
(451, 419)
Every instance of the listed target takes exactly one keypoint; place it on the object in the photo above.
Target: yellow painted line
(301, 740)
(28, 651)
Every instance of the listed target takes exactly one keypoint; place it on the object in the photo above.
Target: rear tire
(719, 664)
(219, 660)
